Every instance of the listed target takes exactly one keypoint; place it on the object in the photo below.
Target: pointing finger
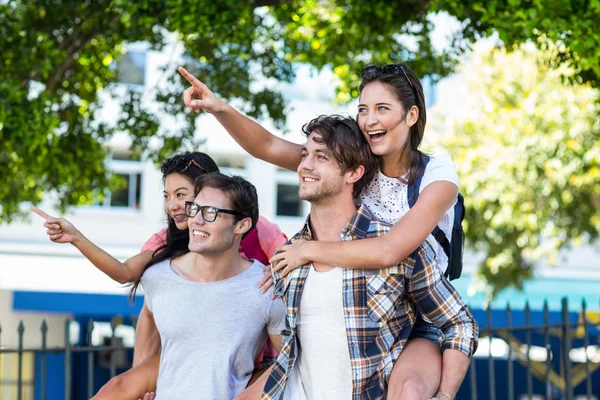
(40, 212)
(195, 82)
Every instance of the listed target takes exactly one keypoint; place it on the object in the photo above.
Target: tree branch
(74, 49)
(55, 78)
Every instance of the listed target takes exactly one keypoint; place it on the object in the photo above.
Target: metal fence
(566, 364)
(89, 359)
(567, 367)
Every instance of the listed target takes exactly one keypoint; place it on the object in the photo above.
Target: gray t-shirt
(211, 332)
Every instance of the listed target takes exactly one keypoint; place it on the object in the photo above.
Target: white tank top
(323, 370)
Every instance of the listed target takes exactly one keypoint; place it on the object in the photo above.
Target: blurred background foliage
(527, 149)
(534, 190)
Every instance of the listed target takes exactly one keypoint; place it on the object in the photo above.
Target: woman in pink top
(179, 173)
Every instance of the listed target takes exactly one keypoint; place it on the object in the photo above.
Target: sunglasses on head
(391, 69)
(179, 164)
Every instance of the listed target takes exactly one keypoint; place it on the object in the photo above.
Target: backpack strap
(413, 195)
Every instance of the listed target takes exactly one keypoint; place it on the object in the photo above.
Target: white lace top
(387, 199)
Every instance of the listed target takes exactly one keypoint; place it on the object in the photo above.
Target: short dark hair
(241, 193)
(349, 147)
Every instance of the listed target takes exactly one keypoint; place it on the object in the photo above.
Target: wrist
(221, 108)
(77, 238)
(310, 249)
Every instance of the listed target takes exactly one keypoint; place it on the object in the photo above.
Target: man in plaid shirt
(344, 335)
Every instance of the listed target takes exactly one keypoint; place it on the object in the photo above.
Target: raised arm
(147, 338)
(380, 252)
(60, 230)
(253, 138)
(435, 297)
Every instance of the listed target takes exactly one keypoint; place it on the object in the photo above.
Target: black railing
(111, 357)
(551, 373)
(537, 361)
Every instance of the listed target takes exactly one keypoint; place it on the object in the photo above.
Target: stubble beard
(322, 193)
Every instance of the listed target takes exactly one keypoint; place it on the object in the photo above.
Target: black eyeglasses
(179, 164)
(391, 69)
(209, 213)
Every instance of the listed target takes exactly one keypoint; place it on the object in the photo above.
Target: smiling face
(383, 120)
(178, 190)
(218, 236)
(319, 174)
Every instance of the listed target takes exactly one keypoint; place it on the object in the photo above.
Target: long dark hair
(407, 88)
(191, 165)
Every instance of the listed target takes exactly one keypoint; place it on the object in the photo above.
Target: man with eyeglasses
(211, 319)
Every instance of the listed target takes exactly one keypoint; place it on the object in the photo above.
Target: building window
(288, 202)
(128, 191)
(131, 68)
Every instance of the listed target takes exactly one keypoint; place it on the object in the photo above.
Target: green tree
(573, 23)
(527, 148)
(58, 55)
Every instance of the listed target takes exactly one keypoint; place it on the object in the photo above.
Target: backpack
(454, 248)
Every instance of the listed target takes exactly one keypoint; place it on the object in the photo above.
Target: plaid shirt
(379, 312)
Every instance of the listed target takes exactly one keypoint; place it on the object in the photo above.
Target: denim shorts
(426, 330)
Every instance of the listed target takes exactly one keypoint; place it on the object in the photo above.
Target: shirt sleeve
(155, 241)
(439, 168)
(269, 236)
(276, 321)
(435, 297)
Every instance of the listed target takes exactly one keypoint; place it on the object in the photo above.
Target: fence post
(473, 378)
(567, 350)
(492, 383)
(113, 368)
(510, 373)
(90, 358)
(67, 359)
(548, 351)
(44, 329)
(528, 337)
(21, 331)
(586, 344)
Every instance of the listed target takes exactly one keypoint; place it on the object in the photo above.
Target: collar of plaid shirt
(356, 228)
